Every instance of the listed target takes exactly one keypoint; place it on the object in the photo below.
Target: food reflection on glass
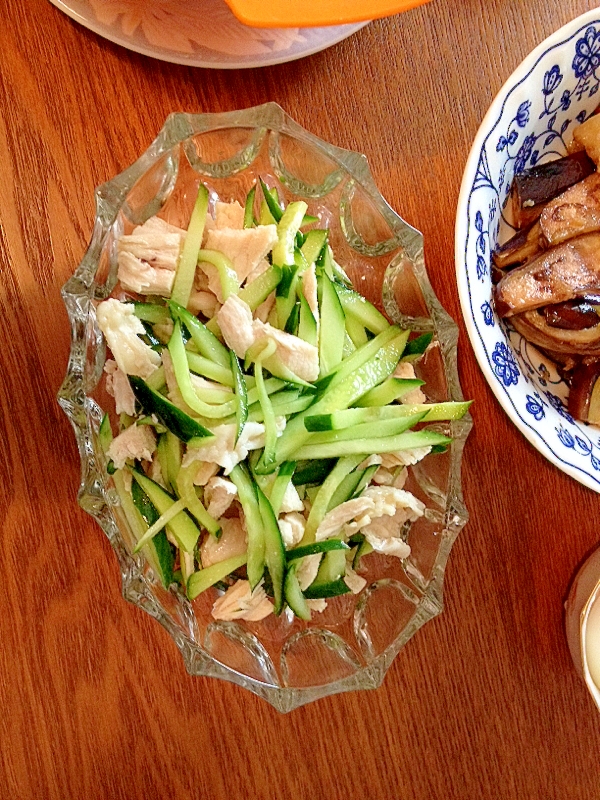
(547, 276)
(265, 411)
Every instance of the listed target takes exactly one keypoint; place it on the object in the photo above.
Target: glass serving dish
(352, 643)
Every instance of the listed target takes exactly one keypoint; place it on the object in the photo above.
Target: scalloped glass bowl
(350, 645)
(530, 121)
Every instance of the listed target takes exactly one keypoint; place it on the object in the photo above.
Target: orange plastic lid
(314, 13)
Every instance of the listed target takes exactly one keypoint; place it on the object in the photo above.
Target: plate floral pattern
(202, 33)
(530, 121)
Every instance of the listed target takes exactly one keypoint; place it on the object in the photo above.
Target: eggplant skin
(562, 273)
(534, 187)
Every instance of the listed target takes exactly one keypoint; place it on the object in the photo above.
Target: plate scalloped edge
(575, 452)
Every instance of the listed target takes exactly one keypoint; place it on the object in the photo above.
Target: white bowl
(532, 118)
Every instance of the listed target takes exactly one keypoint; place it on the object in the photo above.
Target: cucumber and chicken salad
(267, 410)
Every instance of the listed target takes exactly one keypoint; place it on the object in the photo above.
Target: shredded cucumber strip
(325, 493)
(160, 523)
(203, 579)
(254, 523)
(184, 382)
(187, 492)
(227, 275)
(266, 406)
(186, 268)
(207, 343)
(365, 447)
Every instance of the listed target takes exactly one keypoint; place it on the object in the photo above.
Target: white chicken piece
(387, 500)
(118, 386)
(341, 515)
(291, 500)
(364, 512)
(382, 535)
(203, 302)
(223, 448)
(262, 266)
(404, 458)
(298, 356)
(265, 308)
(292, 527)
(356, 583)
(235, 321)
(244, 248)
(317, 605)
(229, 215)
(148, 257)
(383, 477)
(307, 569)
(240, 602)
(393, 508)
(406, 370)
(241, 332)
(136, 442)
(206, 470)
(121, 327)
(136, 275)
(219, 495)
(156, 242)
(232, 542)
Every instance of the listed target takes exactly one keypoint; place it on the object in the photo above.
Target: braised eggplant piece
(584, 394)
(523, 246)
(533, 326)
(562, 273)
(535, 187)
(573, 213)
(573, 315)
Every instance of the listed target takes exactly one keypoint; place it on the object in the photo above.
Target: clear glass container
(351, 644)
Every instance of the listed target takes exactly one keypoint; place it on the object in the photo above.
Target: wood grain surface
(95, 702)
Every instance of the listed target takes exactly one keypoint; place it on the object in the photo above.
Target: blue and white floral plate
(531, 120)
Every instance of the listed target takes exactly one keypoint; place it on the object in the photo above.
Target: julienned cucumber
(171, 416)
(182, 527)
(350, 417)
(202, 580)
(158, 558)
(331, 425)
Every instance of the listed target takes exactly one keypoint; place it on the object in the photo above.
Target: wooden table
(483, 702)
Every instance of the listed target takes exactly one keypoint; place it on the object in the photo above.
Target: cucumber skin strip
(293, 594)
(137, 524)
(241, 393)
(280, 484)
(161, 522)
(186, 268)
(274, 548)
(316, 547)
(266, 406)
(185, 524)
(433, 412)
(254, 524)
(319, 507)
(366, 447)
(172, 417)
(203, 579)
